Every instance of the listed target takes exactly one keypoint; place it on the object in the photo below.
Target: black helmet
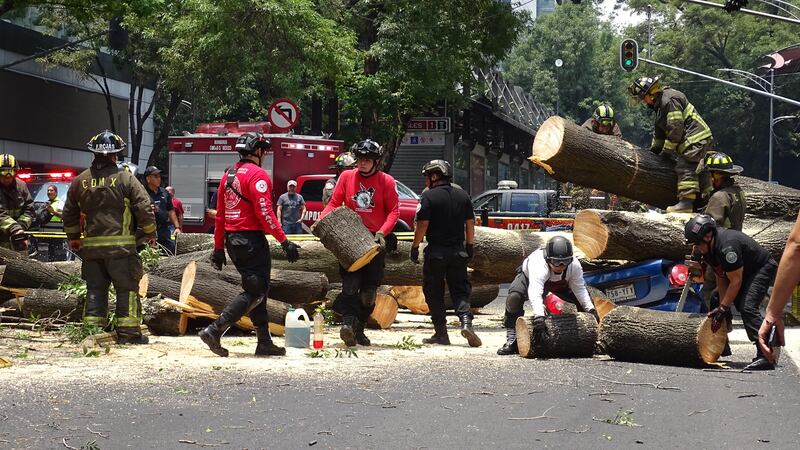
(438, 165)
(248, 143)
(698, 227)
(645, 85)
(720, 162)
(345, 160)
(106, 143)
(8, 164)
(558, 251)
(367, 149)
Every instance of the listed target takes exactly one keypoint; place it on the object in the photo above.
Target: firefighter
(343, 162)
(244, 214)
(16, 206)
(447, 221)
(744, 271)
(105, 202)
(554, 269)
(372, 194)
(603, 121)
(679, 129)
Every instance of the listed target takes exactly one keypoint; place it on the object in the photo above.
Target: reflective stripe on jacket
(678, 125)
(16, 209)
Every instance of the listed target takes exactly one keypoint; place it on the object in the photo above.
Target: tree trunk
(660, 337)
(7, 255)
(570, 153)
(343, 233)
(30, 273)
(161, 319)
(193, 242)
(413, 299)
(43, 303)
(568, 336)
(385, 311)
(634, 236)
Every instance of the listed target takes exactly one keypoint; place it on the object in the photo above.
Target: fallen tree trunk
(413, 299)
(193, 242)
(30, 273)
(639, 236)
(570, 153)
(660, 337)
(44, 303)
(568, 336)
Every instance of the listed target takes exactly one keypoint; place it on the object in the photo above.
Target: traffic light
(629, 55)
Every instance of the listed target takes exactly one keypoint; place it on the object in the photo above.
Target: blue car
(653, 284)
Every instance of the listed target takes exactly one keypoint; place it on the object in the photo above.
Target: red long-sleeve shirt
(253, 214)
(374, 198)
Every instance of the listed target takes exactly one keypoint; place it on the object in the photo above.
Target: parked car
(520, 209)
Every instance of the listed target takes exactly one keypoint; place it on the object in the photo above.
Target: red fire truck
(198, 160)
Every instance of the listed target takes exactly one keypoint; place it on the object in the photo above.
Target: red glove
(719, 315)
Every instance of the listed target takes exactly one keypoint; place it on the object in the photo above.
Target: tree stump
(660, 337)
(343, 233)
(568, 336)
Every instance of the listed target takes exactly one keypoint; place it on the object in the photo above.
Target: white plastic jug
(298, 328)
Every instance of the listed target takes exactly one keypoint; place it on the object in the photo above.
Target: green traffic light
(628, 62)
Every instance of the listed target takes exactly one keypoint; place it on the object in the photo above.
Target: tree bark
(570, 153)
(44, 303)
(413, 299)
(660, 337)
(343, 233)
(568, 336)
(193, 242)
(30, 273)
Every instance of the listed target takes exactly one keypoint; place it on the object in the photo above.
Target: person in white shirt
(554, 269)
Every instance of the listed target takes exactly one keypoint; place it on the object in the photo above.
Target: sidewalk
(790, 351)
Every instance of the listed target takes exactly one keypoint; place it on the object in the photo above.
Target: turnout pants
(446, 264)
(250, 254)
(124, 273)
(689, 167)
(359, 289)
(751, 294)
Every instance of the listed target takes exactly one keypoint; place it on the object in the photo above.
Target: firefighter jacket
(727, 205)
(111, 202)
(589, 125)
(16, 209)
(678, 124)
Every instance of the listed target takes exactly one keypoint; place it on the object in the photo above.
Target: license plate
(621, 293)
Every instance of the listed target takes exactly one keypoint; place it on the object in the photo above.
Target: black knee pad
(255, 285)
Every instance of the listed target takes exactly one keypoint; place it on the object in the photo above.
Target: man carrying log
(16, 206)
(554, 269)
(679, 129)
(244, 214)
(603, 121)
(107, 203)
(445, 213)
(744, 271)
(372, 194)
(342, 162)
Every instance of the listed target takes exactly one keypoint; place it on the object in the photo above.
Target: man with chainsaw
(552, 270)
(679, 131)
(603, 121)
(744, 270)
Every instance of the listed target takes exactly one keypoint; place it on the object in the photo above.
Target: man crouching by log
(554, 269)
(372, 194)
(744, 272)
(244, 214)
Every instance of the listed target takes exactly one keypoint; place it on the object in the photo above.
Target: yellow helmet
(8, 165)
(645, 85)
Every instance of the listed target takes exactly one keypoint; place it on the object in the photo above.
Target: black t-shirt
(162, 205)
(734, 249)
(446, 208)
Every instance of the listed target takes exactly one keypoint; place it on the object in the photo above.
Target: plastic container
(319, 330)
(298, 328)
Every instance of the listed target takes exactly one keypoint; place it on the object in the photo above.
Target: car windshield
(38, 190)
(405, 193)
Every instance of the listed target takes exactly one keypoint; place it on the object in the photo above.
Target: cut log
(413, 299)
(602, 303)
(43, 303)
(343, 233)
(570, 153)
(30, 273)
(7, 255)
(385, 311)
(639, 236)
(193, 242)
(660, 337)
(568, 336)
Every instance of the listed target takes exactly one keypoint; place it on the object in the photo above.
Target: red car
(310, 187)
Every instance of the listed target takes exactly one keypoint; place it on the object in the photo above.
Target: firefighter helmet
(367, 149)
(645, 85)
(558, 251)
(697, 228)
(9, 166)
(345, 160)
(604, 114)
(106, 143)
(438, 165)
(248, 143)
(720, 162)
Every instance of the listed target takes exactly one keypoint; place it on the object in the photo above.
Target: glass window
(503, 172)
(405, 193)
(312, 190)
(491, 201)
(523, 202)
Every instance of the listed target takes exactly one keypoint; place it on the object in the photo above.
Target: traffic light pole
(746, 11)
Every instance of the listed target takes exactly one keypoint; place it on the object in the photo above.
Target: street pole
(771, 124)
(558, 64)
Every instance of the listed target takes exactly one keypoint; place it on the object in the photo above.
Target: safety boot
(347, 333)
(439, 337)
(684, 205)
(469, 334)
(361, 338)
(510, 347)
(760, 362)
(212, 334)
(131, 335)
(265, 345)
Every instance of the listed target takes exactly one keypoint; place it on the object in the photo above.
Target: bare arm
(419, 232)
(731, 286)
(470, 224)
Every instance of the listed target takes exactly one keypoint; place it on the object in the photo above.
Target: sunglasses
(558, 263)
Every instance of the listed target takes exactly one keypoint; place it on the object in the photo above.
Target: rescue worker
(16, 206)
(603, 121)
(446, 220)
(554, 269)
(744, 271)
(679, 129)
(105, 203)
(244, 214)
(372, 194)
(52, 221)
(167, 225)
(343, 162)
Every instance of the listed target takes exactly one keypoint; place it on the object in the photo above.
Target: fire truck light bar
(295, 146)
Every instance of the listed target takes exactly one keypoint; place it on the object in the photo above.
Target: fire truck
(197, 162)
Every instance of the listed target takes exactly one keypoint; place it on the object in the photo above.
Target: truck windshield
(525, 202)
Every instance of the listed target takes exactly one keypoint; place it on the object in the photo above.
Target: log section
(568, 336)
(30, 273)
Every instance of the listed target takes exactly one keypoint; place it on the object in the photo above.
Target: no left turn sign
(284, 114)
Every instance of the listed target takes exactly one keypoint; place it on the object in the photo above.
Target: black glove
(413, 255)
(291, 249)
(470, 251)
(539, 329)
(596, 316)
(656, 150)
(391, 243)
(379, 239)
(218, 259)
(19, 240)
(719, 315)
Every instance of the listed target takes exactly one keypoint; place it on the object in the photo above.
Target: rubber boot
(469, 334)
(510, 347)
(439, 337)
(347, 333)
(265, 345)
(684, 205)
(212, 334)
(132, 335)
(361, 338)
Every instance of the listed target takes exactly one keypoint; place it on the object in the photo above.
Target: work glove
(19, 240)
(719, 315)
(470, 251)
(596, 316)
(539, 329)
(291, 250)
(413, 255)
(218, 259)
(391, 243)
(379, 239)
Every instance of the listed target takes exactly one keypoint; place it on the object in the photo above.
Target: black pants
(359, 289)
(446, 264)
(124, 273)
(164, 238)
(751, 294)
(250, 254)
(518, 294)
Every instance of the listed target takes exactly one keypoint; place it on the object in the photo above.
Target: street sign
(283, 114)
(441, 124)
(422, 138)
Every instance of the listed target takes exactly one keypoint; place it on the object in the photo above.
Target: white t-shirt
(538, 272)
